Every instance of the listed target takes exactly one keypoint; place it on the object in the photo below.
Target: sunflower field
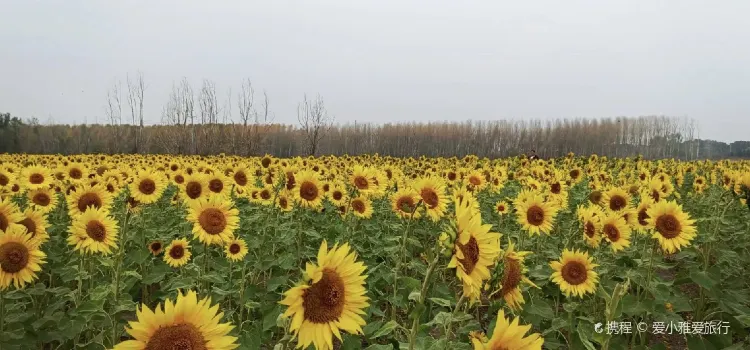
(219, 252)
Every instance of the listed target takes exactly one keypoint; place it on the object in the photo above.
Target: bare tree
(136, 90)
(208, 107)
(314, 121)
(114, 115)
(263, 118)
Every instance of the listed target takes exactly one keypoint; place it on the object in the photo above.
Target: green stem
(650, 268)
(422, 295)
(2, 311)
(205, 268)
(118, 262)
(402, 256)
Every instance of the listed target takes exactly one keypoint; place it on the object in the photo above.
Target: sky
(389, 61)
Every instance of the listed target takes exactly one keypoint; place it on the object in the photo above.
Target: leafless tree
(113, 111)
(136, 91)
(314, 121)
(208, 107)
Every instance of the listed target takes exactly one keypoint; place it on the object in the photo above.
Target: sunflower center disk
(193, 190)
(3, 222)
(14, 257)
(30, 226)
(574, 273)
(177, 252)
(147, 186)
(89, 199)
(76, 174)
(511, 276)
(471, 254)
(405, 204)
(96, 230)
(668, 226)
(265, 194)
(612, 232)
(36, 179)
(556, 188)
(642, 216)
(361, 182)
(475, 181)
(535, 215)
(240, 178)
(213, 221)
(179, 179)
(234, 248)
(358, 206)
(215, 185)
(324, 301)
(290, 181)
(282, 202)
(308, 191)
(4, 180)
(617, 203)
(156, 246)
(589, 229)
(429, 197)
(178, 337)
(595, 197)
(337, 195)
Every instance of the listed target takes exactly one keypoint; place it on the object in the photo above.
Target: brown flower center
(589, 229)
(89, 199)
(96, 230)
(283, 203)
(655, 195)
(174, 167)
(575, 173)
(179, 179)
(556, 188)
(155, 247)
(265, 194)
(4, 180)
(193, 189)
(612, 232)
(75, 173)
(668, 226)
(359, 206)
(183, 336)
(361, 182)
(265, 162)
(574, 273)
(595, 197)
(147, 186)
(14, 257)
(30, 226)
(470, 251)
(429, 197)
(212, 220)
(36, 178)
(290, 181)
(177, 252)
(452, 176)
(405, 204)
(475, 181)
(234, 248)
(642, 216)
(511, 276)
(3, 222)
(308, 191)
(324, 301)
(337, 195)
(240, 178)
(617, 202)
(216, 185)
(535, 215)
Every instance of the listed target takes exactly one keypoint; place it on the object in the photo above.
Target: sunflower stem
(2, 311)
(650, 268)
(422, 295)
(205, 267)
(118, 262)
(402, 255)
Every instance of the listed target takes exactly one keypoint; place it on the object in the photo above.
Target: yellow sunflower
(337, 194)
(509, 335)
(93, 232)
(35, 223)
(9, 214)
(20, 258)
(615, 230)
(194, 187)
(88, 196)
(186, 324)
(36, 177)
(362, 207)
(217, 183)
(76, 172)
(331, 298)
(672, 227)
(362, 179)
(285, 201)
(155, 247)
(404, 204)
(236, 249)
(148, 186)
(574, 273)
(177, 253)
(616, 199)
(308, 192)
(214, 219)
(432, 192)
(513, 276)
(475, 250)
(590, 219)
(502, 207)
(535, 215)
(6, 179)
(462, 194)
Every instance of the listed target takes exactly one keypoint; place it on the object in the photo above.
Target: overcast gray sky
(390, 61)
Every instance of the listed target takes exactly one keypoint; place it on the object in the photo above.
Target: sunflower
(308, 192)
(432, 191)
(186, 324)
(574, 273)
(616, 199)
(88, 196)
(214, 220)
(362, 207)
(331, 298)
(242, 177)
(475, 180)
(615, 230)
(285, 201)
(463, 194)
(36, 177)
(20, 258)
(148, 186)
(672, 227)
(502, 207)
(475, 250)
(362, 179)
(513, 275)
(6, 178)
(76, 172)
(535, 215)
(590, 219)
(177, 253)
(93, 232)
(405, 204)
(35, 223)
(9, 214)
(508, 335)
(236, 249)
(337, 194)
(155, 247)
(217, 183)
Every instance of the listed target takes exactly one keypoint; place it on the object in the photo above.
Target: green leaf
(541, 308)
(441, 302)
(702, 279)
(385, 329)
(585, 339)
(276, 282)
(414, 295)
